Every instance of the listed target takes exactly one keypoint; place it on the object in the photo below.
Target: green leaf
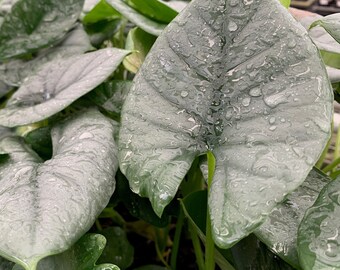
(140, 42)
(47, 206)
(118, 250)
(279, 232)
(102, 11)
(331, 24)
(285, 3)
(82, 256)
(154, 9)
(5, 264)
(318, 237)
(58, 84)
(254, 93)
(40, 141)
(148, 25)
(34, 24)
(75, 42)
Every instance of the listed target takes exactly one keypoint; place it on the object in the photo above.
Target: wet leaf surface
(243, 80)
(75, 42)
(47, 22)
(148, 25)
(47, 206)
(318, 235)
(58, 84)
(279, 232)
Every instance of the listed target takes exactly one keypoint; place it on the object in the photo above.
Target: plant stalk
(209, 245)
(177, 239)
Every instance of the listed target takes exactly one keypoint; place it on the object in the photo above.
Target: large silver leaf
(46, 207)
(57, 84)
(239, 78)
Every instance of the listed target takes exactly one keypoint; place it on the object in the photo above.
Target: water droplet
(291, 44)
(232, 26)
(255, 92)
(184, 94)
(272, 128)
(86, 135)
(246, 101)
(248, 2)
(272, 120)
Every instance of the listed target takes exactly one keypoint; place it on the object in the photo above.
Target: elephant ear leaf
(243, 80)
(47, 206)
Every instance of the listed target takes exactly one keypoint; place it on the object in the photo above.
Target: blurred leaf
(58, 84)
(333, 74)
(75, 42)
(102, 30)
(134, 16)
(102, 11)
(176, 5)
(331, 24)
(5, 264)
(140, 42)
(279, 232)
(154, 9)
(118, 250)
(318, 235)
(34, 24)
(82, 256)
(285, 3)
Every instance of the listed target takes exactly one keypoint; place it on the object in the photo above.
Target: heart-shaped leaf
(47, 22)
(58, 84)
(279, 232)
(46, 207)
(318, 235)
(228, 77)
(76, 42)
(148, 25)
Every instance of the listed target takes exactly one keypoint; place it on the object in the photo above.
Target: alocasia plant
(47, 206)
(242, 80)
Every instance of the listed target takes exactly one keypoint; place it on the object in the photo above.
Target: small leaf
(331, 24)
(279, 232)
(118, 250)
(285, 3)
(318, 235)
(75, 42)
(58, 84)
(148, 25)
(81, 256)
(252, 92)
(102, 11)
(154, 9)
(46, 207)
(140, 42)
(34, 24)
